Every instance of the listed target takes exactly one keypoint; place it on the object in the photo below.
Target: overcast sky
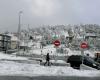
(47, 12)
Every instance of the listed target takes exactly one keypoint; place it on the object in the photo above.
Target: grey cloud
(48, 12)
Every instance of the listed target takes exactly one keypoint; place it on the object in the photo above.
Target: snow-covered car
(90, 62)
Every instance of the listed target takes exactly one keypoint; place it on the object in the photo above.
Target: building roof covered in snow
(13, 38)
(90, 35)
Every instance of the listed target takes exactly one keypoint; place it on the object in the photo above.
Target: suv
(76, 60)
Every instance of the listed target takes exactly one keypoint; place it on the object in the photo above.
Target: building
(91, 39)
(5, 42)
(14, 42)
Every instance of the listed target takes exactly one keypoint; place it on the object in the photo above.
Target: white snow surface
(22, 69)
(50, 48)
(11, 57)
(26, 69)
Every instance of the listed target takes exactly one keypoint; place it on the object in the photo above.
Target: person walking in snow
(47, 60)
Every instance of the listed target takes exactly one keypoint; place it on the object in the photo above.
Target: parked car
(90, 62)
(76, 60)
(97, 57)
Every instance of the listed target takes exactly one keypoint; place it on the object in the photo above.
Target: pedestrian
(87, 55)
(51, 52)
(41, 52)
(47, 60)
(24, 48)
(96, 56)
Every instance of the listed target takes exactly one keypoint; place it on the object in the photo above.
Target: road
(47, 78)
(43, 56)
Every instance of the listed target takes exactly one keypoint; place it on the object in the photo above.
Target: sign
(56, 43)
(84, 45)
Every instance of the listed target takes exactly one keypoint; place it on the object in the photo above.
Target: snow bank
(45, 50)
(22, 69)
(91, 53)
(50, 49)
(58, 61)
(11, 57)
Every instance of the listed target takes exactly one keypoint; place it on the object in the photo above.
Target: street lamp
(19, 28)
(19, 24)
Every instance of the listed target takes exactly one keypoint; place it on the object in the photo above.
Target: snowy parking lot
(35, 69)
(23, 69)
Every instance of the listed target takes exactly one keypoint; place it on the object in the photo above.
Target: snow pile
(30, 43)
(44, 51)
(26, 43)
(50, 49)
(22, 69)
(58, 61)
(91, 53)
(11, 57)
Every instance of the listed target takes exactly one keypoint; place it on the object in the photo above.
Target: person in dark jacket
(47, 60)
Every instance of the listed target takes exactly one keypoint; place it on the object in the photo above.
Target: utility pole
(19, 29)
(28, 37)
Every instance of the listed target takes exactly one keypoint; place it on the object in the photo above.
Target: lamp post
(19, 28)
